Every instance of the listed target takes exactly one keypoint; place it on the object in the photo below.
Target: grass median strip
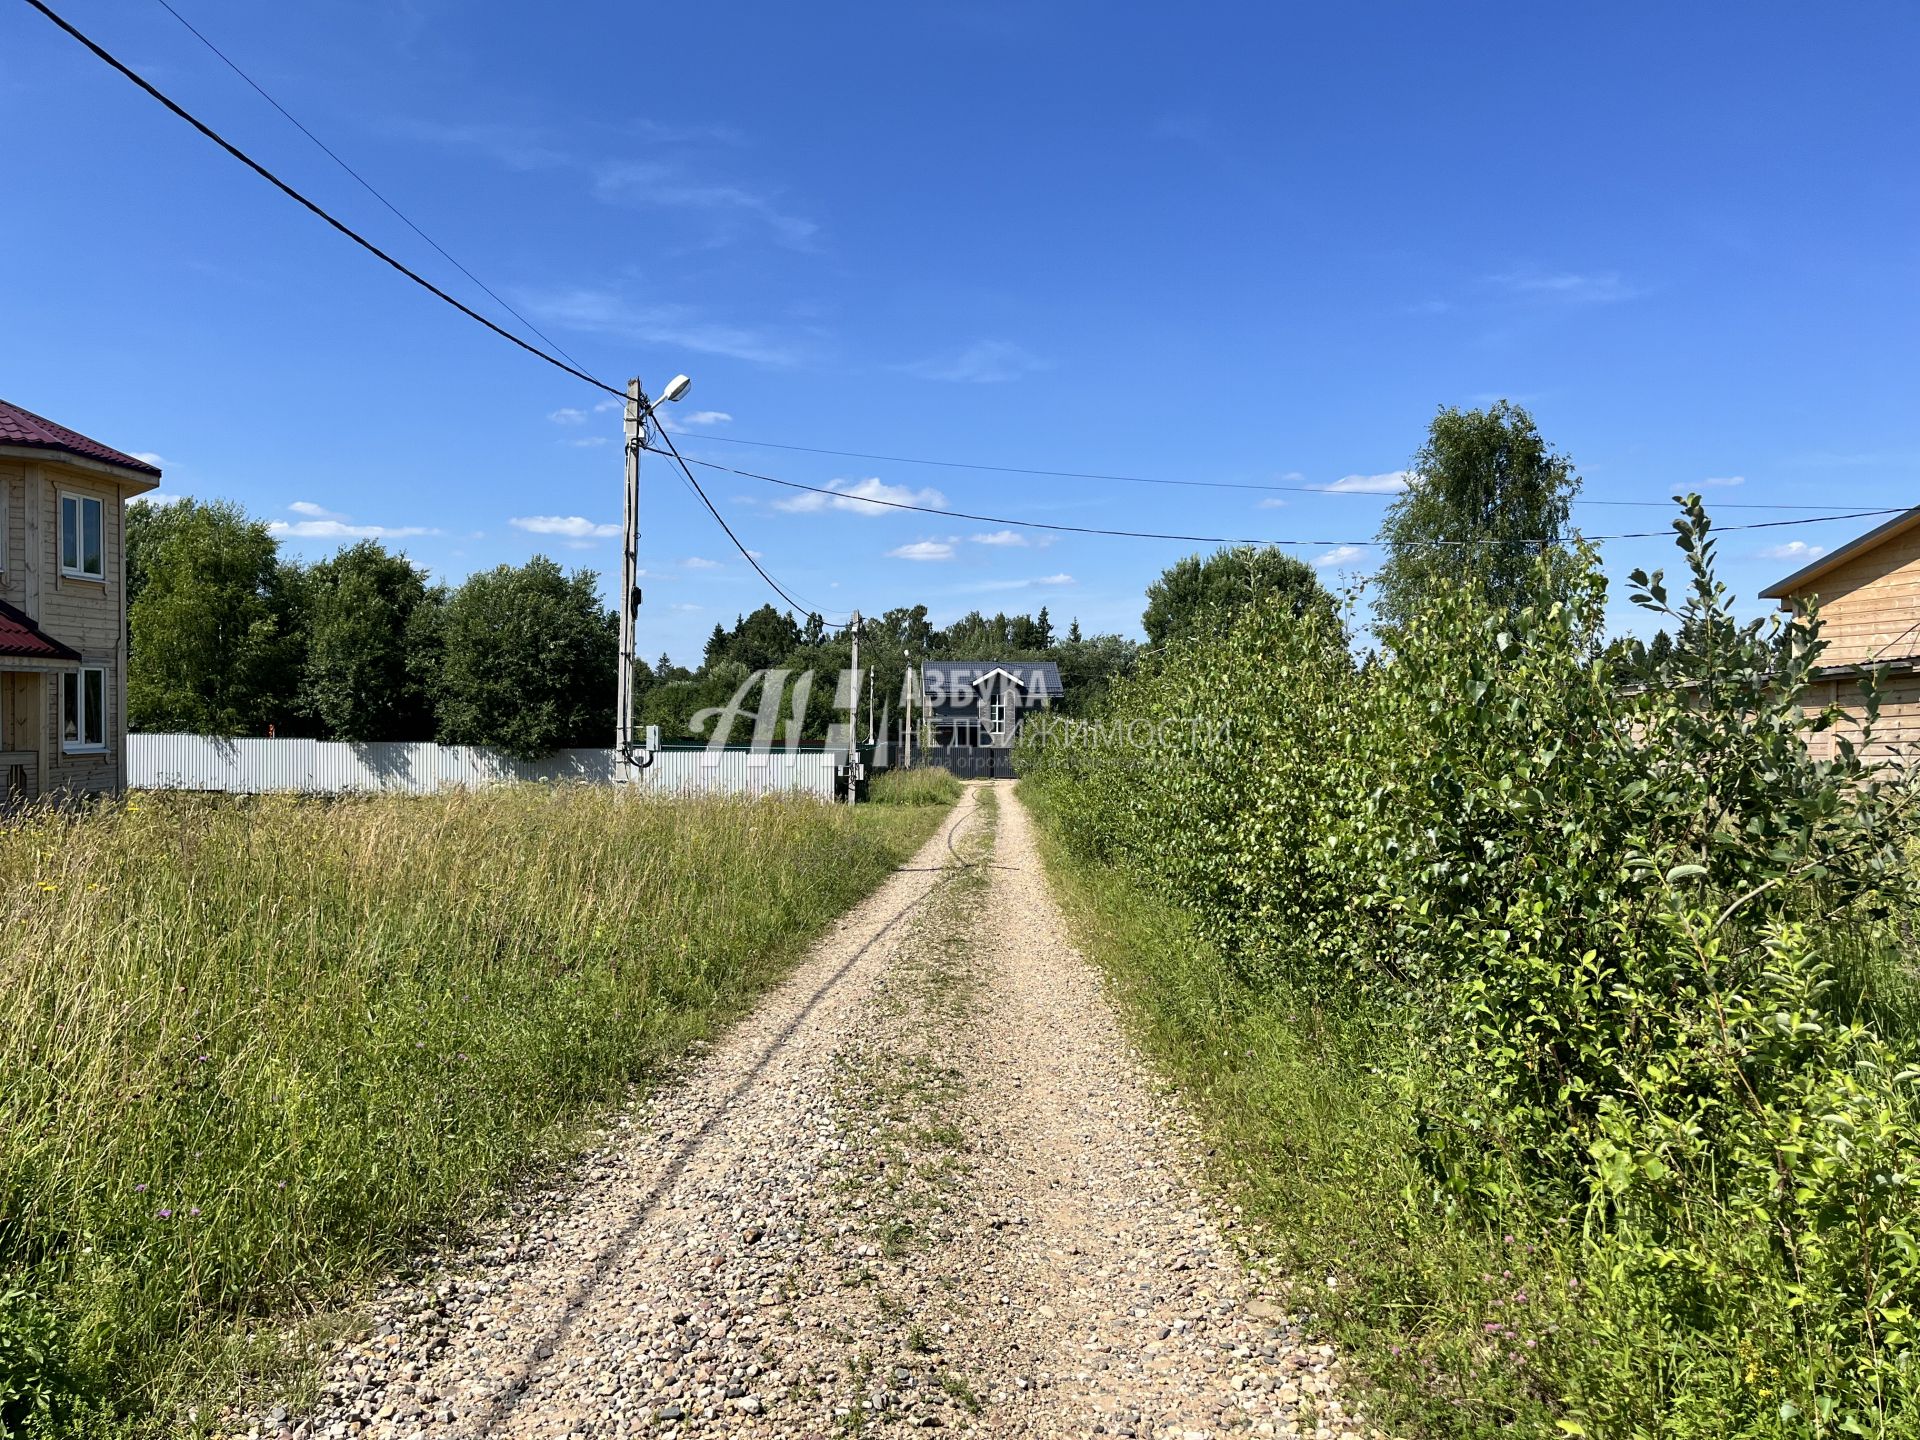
(252, 1050)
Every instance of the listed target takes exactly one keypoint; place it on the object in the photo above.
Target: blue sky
(1233, 243)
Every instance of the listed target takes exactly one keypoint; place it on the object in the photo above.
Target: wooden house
(63, 607)
(1868, 592)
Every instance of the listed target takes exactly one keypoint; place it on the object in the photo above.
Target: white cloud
(1598, 287)
(1000, 537)
(152, 459)
(651, 183)
(923, 550)
(1794, 550)
(340, 530)
(568, 415)
(1726, 481)
(603, 313)
(985, 362)
(589, 442)
(700, 562)
(573, 527)
(1272, 502)
(856, 498)
(695, 420)
(1339, 555)
(683, 605)
(1391, 483)
(313, 511)
(1035, 583)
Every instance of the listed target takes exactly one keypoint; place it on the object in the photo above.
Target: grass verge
(1451, 1326)
(922, 785)
(254, 1050)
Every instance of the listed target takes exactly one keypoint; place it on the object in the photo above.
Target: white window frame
(83, 744)
(997, 712)
(76, 571)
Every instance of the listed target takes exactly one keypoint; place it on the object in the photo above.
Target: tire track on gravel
(924, 1184)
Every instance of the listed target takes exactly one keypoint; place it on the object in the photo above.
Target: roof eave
(136, 481)
(1794, 584)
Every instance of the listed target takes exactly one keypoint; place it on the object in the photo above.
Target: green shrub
(1575, 928)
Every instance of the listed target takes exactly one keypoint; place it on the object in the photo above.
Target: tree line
(229, 636)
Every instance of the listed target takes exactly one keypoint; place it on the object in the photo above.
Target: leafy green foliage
(215, 629)
(1572, 928)
(1488, 499)
(527, 660)
(1195, 594)
(367, 610)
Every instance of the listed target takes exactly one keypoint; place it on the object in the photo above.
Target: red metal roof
(22, 639)
(23, 427)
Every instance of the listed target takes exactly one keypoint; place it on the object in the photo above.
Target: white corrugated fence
(331, 767)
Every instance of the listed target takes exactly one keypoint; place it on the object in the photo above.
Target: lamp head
(676, 387)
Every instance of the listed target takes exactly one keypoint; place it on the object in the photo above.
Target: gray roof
(1035, 677)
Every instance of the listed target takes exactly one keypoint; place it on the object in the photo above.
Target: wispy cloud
(1009, 537)
(1339, 555)
(319, 523)
(1390, 483)
(985, 362)
(601, 312)
(651, 183)
(1794, 550)
(571, 527)
(1725, 481)
(694, 420)
(700, 562)
(857, 497)
(313, 511)
(157, 461)
(922, 550)
(1038, 582)
(341, 530)
(1272, 502)
(590, 442)
(1572, 287)
(568, 415)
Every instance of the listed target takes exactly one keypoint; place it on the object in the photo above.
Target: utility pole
(906, 720)
(636, 431)
(853, 714)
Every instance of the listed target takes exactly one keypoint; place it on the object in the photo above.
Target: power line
(102, 54)
(1231, 539)
(365, 184)
(1164, 480)
(274, 180)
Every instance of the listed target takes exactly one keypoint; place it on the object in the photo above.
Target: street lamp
(639, 413)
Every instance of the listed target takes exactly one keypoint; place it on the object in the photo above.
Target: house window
(997, 713)
(83, 709)
(83, 548)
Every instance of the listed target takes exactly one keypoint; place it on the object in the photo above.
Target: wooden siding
(87, 615)
(1870, 605)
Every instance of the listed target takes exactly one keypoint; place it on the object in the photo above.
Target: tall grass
(251, 1049)
(920, 785)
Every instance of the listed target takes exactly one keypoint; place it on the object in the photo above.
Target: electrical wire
(365, 183)
(672, 451)
(102, 54)
(1164, 480)
(1238, 540)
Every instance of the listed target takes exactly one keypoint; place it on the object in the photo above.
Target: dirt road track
(925, 1184)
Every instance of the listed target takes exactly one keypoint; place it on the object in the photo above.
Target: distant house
(974, 709)
(1869, 596)
(63, 607)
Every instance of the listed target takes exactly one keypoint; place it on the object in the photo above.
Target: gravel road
(926, 1184)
